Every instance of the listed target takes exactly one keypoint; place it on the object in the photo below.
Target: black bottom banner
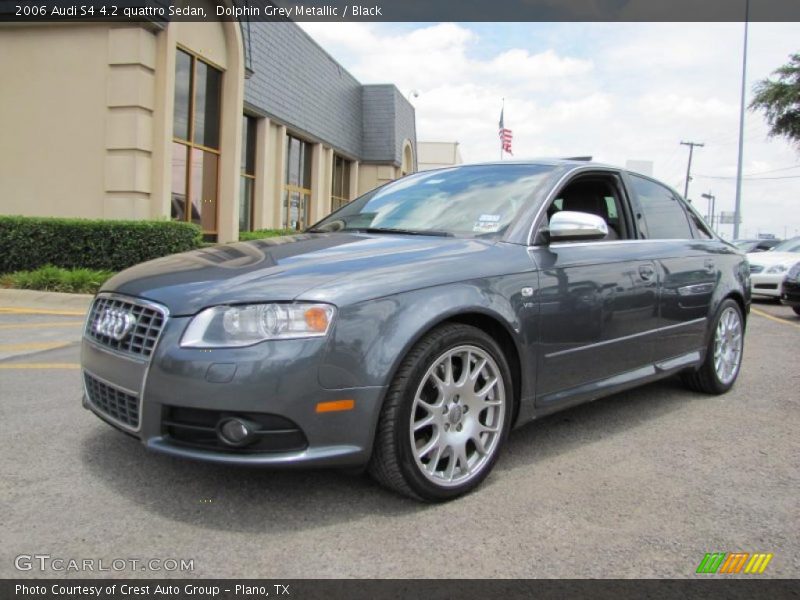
(429, 589)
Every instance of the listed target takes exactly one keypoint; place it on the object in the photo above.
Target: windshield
(745, 244)
(792, 245)
(462, 201)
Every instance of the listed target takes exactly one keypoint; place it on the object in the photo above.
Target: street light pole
(711, 207)
(689, 166)
(737, 211)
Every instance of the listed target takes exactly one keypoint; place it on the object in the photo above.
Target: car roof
(548, 162)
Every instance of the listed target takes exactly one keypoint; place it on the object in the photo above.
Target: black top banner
(402, 10)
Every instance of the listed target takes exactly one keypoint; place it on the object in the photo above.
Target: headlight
(233, 326)
(777, 269)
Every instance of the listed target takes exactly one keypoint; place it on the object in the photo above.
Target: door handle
(646, 272)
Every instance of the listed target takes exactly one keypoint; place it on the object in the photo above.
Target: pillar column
(262, 192)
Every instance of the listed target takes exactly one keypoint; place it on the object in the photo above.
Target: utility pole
(737, 211)
(689, 166)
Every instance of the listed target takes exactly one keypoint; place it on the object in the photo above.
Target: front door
(598, 299)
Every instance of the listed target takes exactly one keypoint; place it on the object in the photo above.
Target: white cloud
(615, 91)
(687, 107)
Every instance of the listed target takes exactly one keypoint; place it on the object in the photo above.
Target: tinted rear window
(663, 214)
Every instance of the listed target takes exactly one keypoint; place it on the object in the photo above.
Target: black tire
(705, 379)
(393, 463)
(796, 309)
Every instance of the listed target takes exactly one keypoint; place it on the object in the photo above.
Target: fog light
(235, 432)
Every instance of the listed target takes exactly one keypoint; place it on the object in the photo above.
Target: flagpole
(502, 110)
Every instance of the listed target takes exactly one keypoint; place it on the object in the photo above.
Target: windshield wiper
(403, 231)
(434, 232)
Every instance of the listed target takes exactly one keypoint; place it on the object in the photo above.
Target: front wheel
(723, 359)
(446, 415)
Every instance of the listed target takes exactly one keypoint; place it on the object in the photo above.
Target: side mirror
(568, 225)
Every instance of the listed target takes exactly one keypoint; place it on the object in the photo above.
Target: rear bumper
(271, 382)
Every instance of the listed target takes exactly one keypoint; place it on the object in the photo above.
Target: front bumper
(790, 293)
(766, 284)
(275, 383)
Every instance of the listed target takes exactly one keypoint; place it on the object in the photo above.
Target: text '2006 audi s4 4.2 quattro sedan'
(409, 331)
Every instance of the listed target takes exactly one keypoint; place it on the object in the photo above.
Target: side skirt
(601, 388)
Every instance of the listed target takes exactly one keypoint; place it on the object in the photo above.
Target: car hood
(336, 267)
(767, 259)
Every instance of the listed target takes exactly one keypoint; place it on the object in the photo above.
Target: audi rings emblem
(114, 323)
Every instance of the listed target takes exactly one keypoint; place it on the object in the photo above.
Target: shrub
(264, 233)
(28, 243)
(56, 279)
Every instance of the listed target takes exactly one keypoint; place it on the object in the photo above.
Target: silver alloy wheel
(728, 345)
(457, 416)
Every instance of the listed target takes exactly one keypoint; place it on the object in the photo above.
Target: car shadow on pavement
(258, 500)
(234, 498)
(594, 421)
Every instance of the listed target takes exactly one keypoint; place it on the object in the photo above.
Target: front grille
(112, 402)
(142, 338)
(197, 428)
(756, 268)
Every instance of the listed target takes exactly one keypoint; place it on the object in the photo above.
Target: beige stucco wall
(86, 118)
(371, 176)
(76, 115)
(436, 155)
(53, 120)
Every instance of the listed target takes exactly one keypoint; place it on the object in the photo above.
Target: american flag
(505, 135)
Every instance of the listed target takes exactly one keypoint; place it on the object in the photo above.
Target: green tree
(780, 100)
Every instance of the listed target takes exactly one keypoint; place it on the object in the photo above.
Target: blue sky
(617, 91)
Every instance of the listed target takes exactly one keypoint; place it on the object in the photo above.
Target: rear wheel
(723, 359)
(446, 416)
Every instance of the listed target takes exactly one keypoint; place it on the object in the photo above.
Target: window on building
(340, 187)
(195, 141)
(297, 191)
(663, 214)
(247, 187)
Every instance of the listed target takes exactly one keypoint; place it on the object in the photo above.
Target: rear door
(687, 257)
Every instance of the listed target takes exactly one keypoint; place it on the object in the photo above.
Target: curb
(51, 301)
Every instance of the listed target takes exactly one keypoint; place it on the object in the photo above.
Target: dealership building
(232, 126)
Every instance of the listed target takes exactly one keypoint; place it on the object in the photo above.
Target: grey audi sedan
(411, 330)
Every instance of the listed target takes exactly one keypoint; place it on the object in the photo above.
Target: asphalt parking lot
(641, 484)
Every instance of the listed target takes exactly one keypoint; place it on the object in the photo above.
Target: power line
(773, 170)
(748, 178)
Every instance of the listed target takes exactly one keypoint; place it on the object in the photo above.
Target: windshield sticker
(489, 219)
(487, 224)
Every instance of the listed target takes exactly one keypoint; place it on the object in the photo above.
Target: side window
(663, 214)
(597, 195)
